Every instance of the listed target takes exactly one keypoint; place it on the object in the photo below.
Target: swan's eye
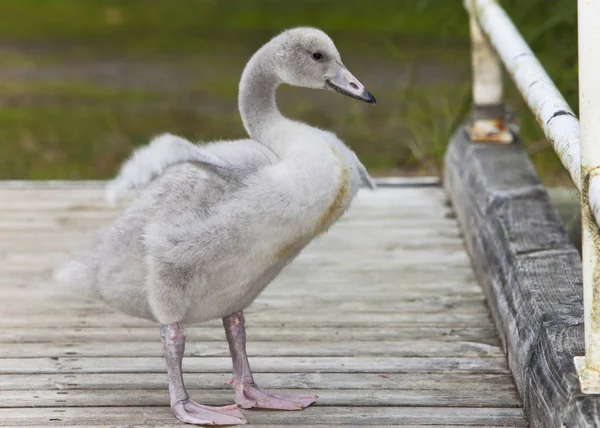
(317, 56)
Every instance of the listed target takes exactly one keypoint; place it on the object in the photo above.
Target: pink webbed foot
(191, 412)
(250, 396)
(247, 394)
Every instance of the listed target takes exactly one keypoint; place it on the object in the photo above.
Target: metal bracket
(488, 125)
(589, 379)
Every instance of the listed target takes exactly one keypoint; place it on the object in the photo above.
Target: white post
(488, 107)
(487, 69)
(588, 367)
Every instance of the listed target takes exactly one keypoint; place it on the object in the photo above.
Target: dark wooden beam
(530, 272)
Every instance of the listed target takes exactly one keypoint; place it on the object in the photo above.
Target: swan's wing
(168, 150)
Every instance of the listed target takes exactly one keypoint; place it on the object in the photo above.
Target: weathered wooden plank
(281, 305)
(324, 274)
(38, 292)
(407, 275)
(23, 199)
(76, 225)
(381, 306)
(287, 425)
(378, 260)
(429, 230)
(59, 244)
(449, 317)
(345, 416)
(460, 282)
(395, 182)
(283, 292)
(404, 348)
(480, 334)
(530, 271)
(411, 212)
(419, 335)
(491, 365)
(70, 185)
(54, 219)
(96, 188)
(387, 261)
(485, 384)
(327, 397)
(324, 266)
(65, 185)
(269, 425)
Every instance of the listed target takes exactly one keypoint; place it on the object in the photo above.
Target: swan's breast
(333, 211)
(342, 196)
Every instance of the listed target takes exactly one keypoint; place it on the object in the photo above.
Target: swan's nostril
(354, 85)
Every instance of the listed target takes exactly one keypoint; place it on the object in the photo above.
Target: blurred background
(83, 82)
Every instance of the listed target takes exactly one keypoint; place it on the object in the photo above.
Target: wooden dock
(382, 318)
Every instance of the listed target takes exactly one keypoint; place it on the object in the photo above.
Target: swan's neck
(257, 97)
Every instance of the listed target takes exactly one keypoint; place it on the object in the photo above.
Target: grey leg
(185, 409)
(247, 393)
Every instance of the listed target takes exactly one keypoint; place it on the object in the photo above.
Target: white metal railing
(496, 41)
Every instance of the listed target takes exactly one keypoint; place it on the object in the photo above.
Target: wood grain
(382, 318)
(531, 275)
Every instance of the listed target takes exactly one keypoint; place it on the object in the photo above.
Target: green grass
(75, 89)
(85, 81)
(172, 22)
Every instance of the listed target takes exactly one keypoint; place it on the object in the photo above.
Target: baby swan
(211, 231)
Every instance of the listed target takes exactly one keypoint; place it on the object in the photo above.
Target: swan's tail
(366, 178)
(149, 162)
(75, 277)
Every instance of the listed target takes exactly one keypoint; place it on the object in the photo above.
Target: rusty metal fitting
(488, 124)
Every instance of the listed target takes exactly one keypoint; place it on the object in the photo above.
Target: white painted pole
(589, 114)
(488, 88)
(487, 69)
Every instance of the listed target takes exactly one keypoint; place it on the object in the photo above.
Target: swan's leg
(185, 409)
(247, 393)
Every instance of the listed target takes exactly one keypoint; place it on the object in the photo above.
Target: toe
(244, 402)
(194, 413)
(255, 397)
(304, 400)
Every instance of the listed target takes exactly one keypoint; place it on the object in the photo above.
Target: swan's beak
(345, 83)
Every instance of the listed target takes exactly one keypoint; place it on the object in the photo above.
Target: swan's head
(308, 58)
